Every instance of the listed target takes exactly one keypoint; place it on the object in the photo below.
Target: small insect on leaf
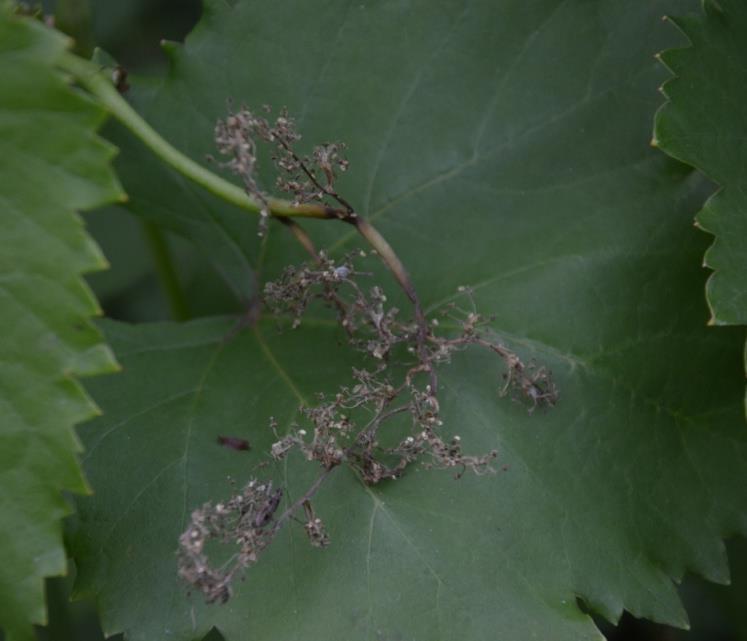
(234, 443)
(264, 515)
(119, 78)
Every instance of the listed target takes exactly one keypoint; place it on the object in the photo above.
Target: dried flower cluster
(246, 521)
(389, 417)
(305, 178)
(345, 428)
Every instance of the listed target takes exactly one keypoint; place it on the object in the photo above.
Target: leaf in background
(129, 290)
(51, 164)
(132, 30)
(502, 145)
(226, 237)
(718, 608)
(120, 236)
(703, 124)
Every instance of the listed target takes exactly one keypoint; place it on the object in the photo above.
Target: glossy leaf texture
(502, 145)
(703, 124)
(52, 164)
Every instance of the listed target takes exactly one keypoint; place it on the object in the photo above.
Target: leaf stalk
(97, 81)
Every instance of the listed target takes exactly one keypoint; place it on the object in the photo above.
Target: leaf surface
(492, 150)
(703, 124)
(51, 164)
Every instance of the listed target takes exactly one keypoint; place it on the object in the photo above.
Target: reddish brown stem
(395, 265)
(385, 251)
(299, 233)
(308, 495)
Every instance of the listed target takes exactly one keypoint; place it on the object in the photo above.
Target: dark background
(131, 30)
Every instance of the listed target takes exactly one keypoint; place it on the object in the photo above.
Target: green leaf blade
(180, 465)
(51, 165)
(493, 151)
(702, 124)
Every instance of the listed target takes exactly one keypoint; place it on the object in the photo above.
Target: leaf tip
(654, 142)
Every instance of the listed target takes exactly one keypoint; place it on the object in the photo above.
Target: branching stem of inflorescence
(98, 81)
(344, 429)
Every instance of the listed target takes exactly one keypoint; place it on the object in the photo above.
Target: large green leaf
(704, 125)
(498, 144)
(51, 164)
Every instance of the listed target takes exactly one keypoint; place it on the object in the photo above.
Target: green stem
(167, 275)
(100, 85)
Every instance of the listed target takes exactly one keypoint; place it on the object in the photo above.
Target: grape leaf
(715, 609)
(494, 150)
(703, 125)
(51, 164)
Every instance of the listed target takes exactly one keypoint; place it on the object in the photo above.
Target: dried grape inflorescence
(388, 418)
(309, 178)
(334, 436)
(246, 521)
